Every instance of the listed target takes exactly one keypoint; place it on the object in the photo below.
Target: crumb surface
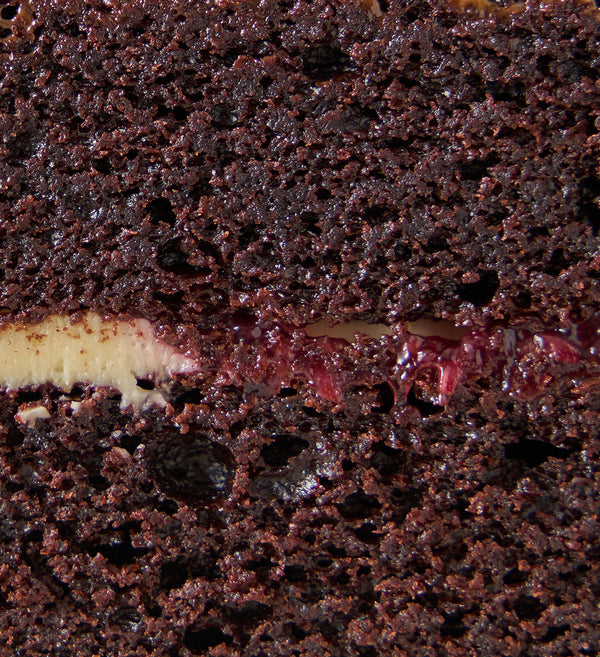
(265, 163)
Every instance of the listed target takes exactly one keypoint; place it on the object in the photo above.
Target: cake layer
(270, 526)
(303, 162)
(219, 181)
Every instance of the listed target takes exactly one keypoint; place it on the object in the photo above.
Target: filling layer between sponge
(124, 354)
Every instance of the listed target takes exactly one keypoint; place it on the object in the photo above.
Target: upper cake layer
(300, 160)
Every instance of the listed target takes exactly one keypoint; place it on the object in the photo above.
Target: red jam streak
(513, 361)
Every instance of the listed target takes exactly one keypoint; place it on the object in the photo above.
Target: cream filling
(92, 350)
(29, 416)
(346, 330)
(423, 327)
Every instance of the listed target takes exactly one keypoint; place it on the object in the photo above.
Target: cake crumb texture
(203, 166)
(307, 157)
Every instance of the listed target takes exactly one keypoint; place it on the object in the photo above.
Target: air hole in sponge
(8, 13)
(528, 608)
(426, 408)
(453, 626)
(358, 505)
(173, 574)
(514, 577)
(199, 641)
(590, 187)
(188, 396)
(172, 259)
(250, 612)
(287, 392)
(167, 506)
(589, 213)
(284, 447)
(160, 209)
(554, 632)
(294, 573)
(387, 460)
(477, 169)
(130, 443)
(14, 437)
(387, 398)
(102, 165)
(522, 300)
(145, 384)
(534, 452)
(323, 61)
(310, 220)
(367, 651)
(366, 533)
(117, 549)
(26, 396)
(557, 263)
(98, 482)
(173, 300)
(482, 291)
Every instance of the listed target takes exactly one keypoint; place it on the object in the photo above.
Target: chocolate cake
(194, 198)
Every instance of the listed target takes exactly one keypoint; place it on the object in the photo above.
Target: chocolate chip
(193, 468)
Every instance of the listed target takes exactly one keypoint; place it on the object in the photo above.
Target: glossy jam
(515, 361)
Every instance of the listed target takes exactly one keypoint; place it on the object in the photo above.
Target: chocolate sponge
(231, 173)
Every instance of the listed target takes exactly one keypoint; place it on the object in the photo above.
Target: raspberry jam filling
(427, 368)
(416, 366)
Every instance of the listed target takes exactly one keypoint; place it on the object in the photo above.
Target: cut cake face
(299, 327)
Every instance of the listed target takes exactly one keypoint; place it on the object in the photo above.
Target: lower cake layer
(254, 520)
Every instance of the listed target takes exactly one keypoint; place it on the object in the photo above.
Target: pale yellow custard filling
(95, 351)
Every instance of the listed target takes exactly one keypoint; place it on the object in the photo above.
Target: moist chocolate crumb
(276, 163)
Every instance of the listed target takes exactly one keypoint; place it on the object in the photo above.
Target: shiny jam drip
(517, 362)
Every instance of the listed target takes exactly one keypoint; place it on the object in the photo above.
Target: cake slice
(299, 340)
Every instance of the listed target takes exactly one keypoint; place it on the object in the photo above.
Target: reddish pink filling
(518, 362)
